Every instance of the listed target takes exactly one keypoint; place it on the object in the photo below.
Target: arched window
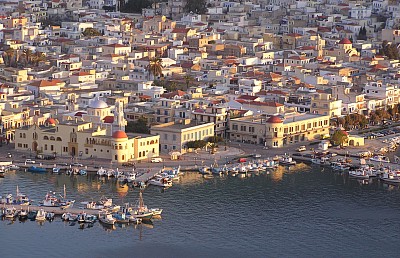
(45, 137)
(59, 139)
(52, 138)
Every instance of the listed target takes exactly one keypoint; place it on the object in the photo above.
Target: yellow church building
(78, 138)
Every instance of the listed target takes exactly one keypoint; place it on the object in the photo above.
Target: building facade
(175, 135)
(277, 132)
(82, 139)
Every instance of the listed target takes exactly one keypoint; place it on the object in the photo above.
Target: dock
(56, 210)
(146, 176)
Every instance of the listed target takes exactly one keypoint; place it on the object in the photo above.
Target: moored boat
(56, 170)
(380, 158)
(50, 216)
(161, 181)
(41, 215)
(35, 169)
(106, 218)
(10, 213)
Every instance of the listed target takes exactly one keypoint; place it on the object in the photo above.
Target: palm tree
(187, 79)
(27, 56)
(38, 57)
(10, 57)
(155, 67)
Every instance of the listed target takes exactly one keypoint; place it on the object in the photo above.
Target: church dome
(274, 120)
(97, 103)
(344, 41)
(51, 121)
(119, 135)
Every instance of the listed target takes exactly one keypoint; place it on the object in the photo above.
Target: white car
(156, 160)
(30, 161)
(301, 148)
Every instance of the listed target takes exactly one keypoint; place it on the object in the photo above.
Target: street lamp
(30, 152)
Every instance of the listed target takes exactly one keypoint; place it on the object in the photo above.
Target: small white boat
(156, 211)
(380, 158)
(390, 178)
(359, 173)
(286, 161)
(13, 167)
(41, 215)
(56, 170)
(101, 172)
(50, 216)
(23, 214)
(10, 213)
(106, 218)
(162, 181)
(110, 172)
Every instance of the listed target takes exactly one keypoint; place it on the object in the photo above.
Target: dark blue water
(296, 213)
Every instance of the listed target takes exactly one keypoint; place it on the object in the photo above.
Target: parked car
(257, 156)
(30, 161)
(156, 160)
(76, 164)
(301, 148)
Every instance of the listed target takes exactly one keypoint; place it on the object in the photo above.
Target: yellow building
(277, 132)
(77, 138)
(175, 135)
(325, 104)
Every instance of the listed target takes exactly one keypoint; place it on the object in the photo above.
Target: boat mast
(141, 204)
(17, 191)
(65, 193)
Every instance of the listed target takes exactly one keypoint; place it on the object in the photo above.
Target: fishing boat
(50, 216)
(106, 218)
(82, 172)
(41, 215)
(380, 158)
(141, 211)
(56, 170)
(13, 167)
(23, 214)
(161, 181)
(90, 218)
(359, 173)
(390, 178)
(101, 172)
(121, 218)
(286, 160)
(320, 161)
(69, 216)
(21, 199)
(35, 169)
(10, 213)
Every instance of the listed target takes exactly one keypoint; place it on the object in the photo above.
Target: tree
(198, 144)
(362, 34)
(89, 32)
(196, 6)
(389, 50)
(215, 139)
(138, 126)
(171, 87)
(155, 67)
(27, 56)
(187, 79)
(38, 57)
(339, 137)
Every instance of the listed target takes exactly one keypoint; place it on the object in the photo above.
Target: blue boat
(35, 169)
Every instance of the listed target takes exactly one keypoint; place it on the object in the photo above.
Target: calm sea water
(300, 212)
